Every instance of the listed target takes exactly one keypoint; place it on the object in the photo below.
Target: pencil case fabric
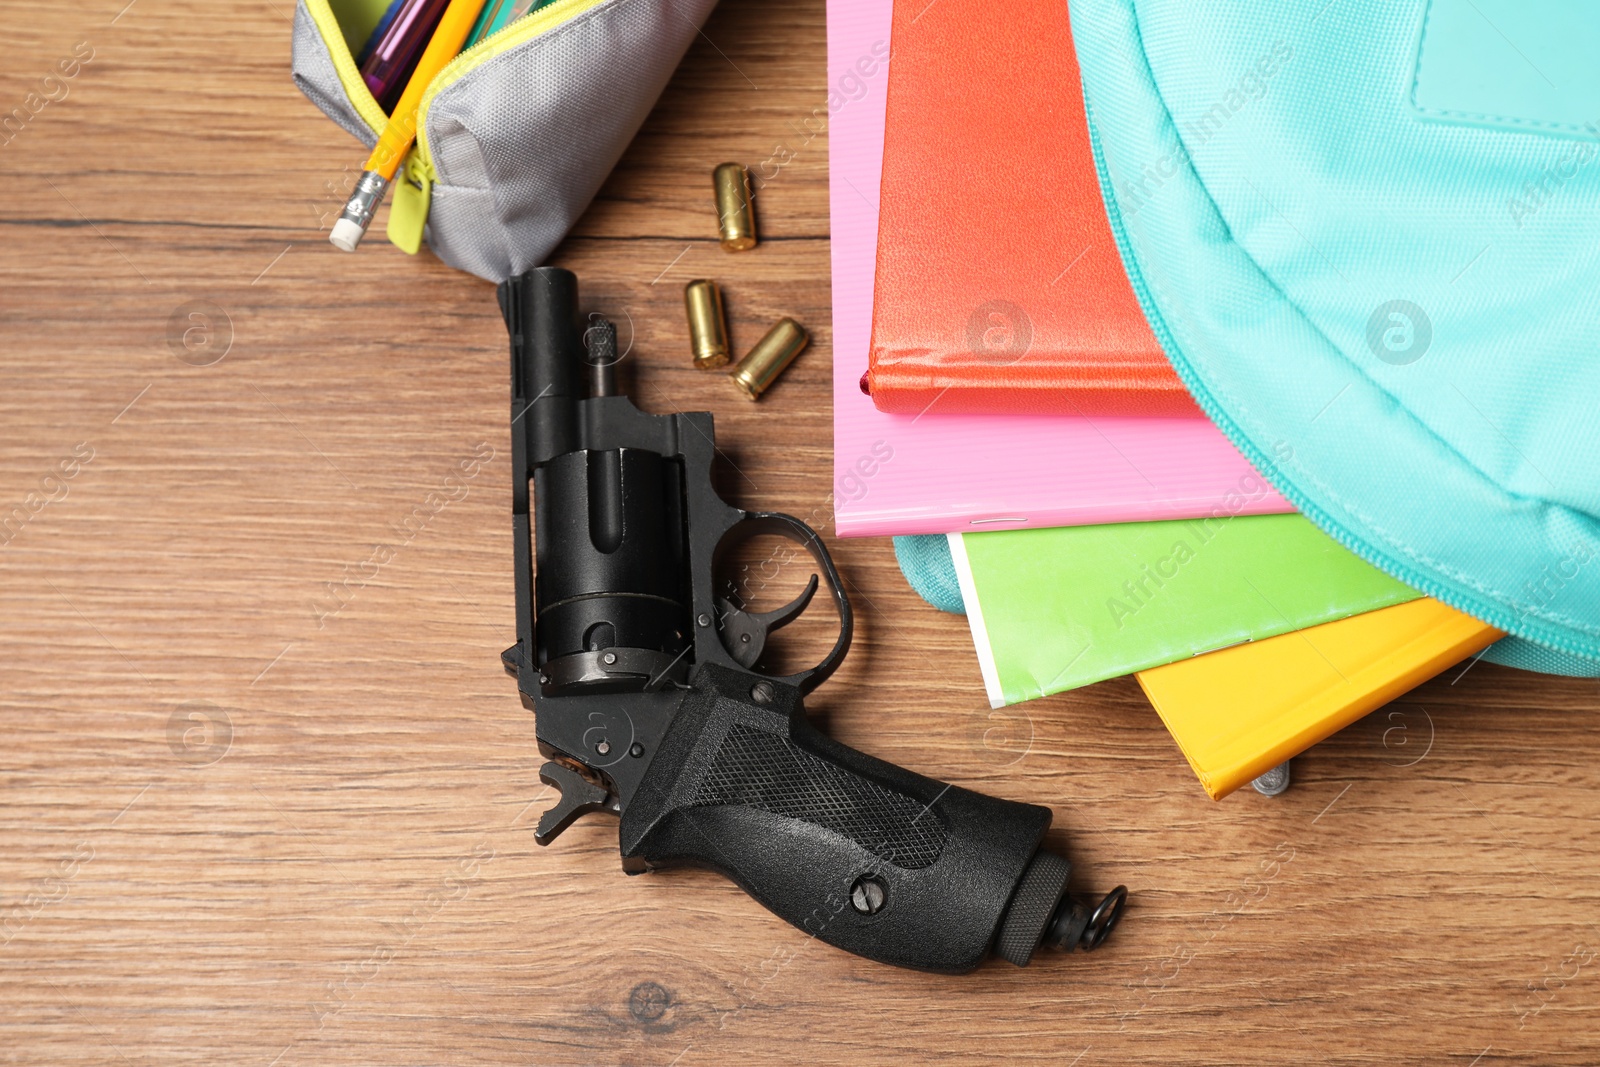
(1365, 233)
(516, 135)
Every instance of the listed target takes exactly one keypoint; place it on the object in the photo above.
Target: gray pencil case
(517, 133)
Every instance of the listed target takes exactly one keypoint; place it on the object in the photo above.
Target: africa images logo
(1399, 332)
(999, 333)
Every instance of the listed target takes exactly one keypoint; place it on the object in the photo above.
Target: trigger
(579, 796)
(745, 633)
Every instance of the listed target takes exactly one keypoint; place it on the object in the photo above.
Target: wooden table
(250, 820)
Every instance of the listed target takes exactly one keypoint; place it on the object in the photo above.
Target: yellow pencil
(401, 129)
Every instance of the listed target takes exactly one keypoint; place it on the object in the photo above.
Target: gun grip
(862, 854)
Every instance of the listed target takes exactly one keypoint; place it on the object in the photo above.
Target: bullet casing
(708, 326)
(736, 218)
(763, 363)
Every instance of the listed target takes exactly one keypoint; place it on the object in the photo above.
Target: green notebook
(1058, 608)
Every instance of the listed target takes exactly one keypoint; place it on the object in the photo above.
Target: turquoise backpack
(1368, 237)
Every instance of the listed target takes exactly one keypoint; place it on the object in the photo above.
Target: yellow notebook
(1239, 712)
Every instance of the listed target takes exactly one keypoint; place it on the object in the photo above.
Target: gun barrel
(544, 314)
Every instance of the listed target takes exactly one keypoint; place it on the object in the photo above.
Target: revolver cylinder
(610, 585)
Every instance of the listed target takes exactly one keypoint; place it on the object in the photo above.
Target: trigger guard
(792, 529)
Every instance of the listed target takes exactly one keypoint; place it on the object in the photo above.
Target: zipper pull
(408, 207)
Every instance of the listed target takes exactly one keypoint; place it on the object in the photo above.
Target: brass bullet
(736, 219)
(763, 363)
(708, 327)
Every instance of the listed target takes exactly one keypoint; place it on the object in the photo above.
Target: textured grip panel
(743, 784)
(766, 772)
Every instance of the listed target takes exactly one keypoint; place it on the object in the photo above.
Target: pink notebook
(905, 474)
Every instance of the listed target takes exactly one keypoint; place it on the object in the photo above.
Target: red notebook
(999, 287)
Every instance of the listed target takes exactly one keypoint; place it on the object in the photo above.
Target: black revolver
(648, 703)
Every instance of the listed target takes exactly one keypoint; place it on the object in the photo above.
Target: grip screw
(763, 693)
(868, 895)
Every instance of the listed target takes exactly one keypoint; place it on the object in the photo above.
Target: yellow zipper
(526, 28)
(414, 194)
(409, 204)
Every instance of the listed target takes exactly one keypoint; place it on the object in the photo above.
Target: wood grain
(340, 867)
